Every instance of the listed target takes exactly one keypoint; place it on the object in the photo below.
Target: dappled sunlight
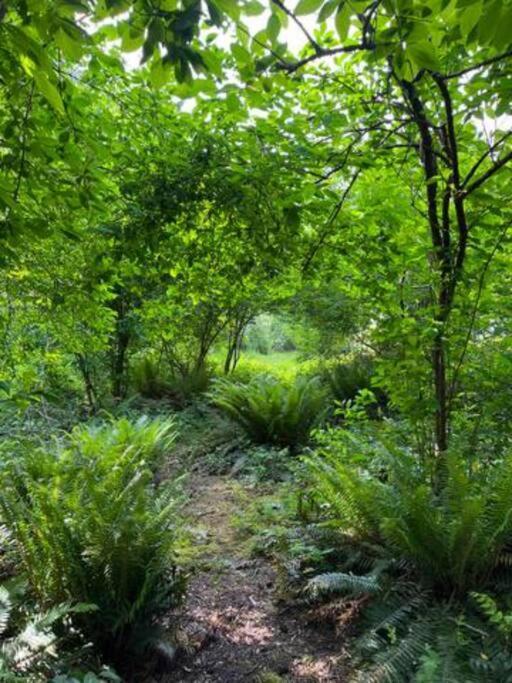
(245, 627)
(315, 669)
(255, 341)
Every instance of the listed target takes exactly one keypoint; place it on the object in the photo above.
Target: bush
(152, 380)
(347, 380)
(89, 526)
(149, 439)
(430, 547)
(272, 412)
(454, 536)
(148, 378)
(184, 387)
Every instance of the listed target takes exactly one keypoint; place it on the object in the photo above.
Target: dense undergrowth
(304, 271)
(368, 534)
(409, 560)
(86, 524)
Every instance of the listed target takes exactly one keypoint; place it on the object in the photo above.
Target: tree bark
(440, 236)
(90, 392)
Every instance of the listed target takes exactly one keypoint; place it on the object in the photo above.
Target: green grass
(277, 359)
(285, 365)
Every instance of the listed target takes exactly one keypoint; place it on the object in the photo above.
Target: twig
(484, 156)
(480, 65)
(299, 23)
(334, 214)
(472, 319)
(494, 169)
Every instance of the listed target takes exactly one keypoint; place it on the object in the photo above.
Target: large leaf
(423, 55)
(307, 6)
(49, 91)
(342, 20)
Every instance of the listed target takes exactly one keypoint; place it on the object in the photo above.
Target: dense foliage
(272, 412)
(88, 526)
(295, 216)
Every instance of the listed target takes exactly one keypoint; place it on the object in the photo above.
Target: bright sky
(295, 39)
(291, 35)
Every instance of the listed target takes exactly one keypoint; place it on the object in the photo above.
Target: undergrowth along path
(233, 628)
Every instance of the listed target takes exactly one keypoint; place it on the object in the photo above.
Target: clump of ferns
(31, 643)
(419, 618)
(402, 631)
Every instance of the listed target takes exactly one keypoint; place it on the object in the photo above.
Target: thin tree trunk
(119, 365)
(90, 392)
(440, 235)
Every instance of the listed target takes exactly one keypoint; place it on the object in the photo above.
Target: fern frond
(270, 411)
(337, 582)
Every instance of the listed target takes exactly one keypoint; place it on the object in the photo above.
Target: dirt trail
(231, 626)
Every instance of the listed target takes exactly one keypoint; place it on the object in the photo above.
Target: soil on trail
(232, 628)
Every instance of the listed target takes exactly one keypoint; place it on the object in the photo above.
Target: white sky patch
(295, 39)
(291, 35)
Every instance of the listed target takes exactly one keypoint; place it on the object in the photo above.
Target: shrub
(152, 380)
(347, 380)
(453, 536)
(188, 385)
(148, 378)
(89, 526)
(29, 644)
(148, 440)
(272, 412)
(431, 545)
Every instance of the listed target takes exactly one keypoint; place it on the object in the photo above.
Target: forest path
(231, 626)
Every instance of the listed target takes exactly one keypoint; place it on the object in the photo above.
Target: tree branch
(323, 52)
(299, 23)
(334, 214)
(429, 162)
(283, 63)
(472, 318)
(480, 65)
(494, 169)
(458, 196)
(484, 156)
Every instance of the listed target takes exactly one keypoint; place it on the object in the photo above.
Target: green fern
(29, 651)
(89, 526)
(339, 582)
(272, 412)
(149, 378)
(147, 439)
(455, 537)
(442, 543)
(347, 380)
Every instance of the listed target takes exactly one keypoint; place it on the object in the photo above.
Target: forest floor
(232, 627)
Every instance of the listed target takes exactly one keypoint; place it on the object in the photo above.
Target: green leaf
(342, 20)
(241, 55)
(423, 55)
(229, 7)
(273, 27)
(328, 9)
(253, 8)
(489, 21)
(503, 31)
(49, 91)
(131, 39)
(469, 18)
(160, 73)
(307, 6)
(71, 48)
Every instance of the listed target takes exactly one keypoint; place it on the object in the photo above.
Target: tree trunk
(440, 390)
(119, 365)
(90, 392)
